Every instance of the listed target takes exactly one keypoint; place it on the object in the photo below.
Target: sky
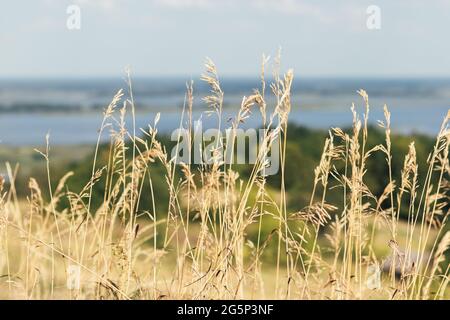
(173, 37)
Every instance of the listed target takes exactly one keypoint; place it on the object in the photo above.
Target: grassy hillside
(352, 214)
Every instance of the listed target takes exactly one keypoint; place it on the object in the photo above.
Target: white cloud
(186, 3)
(106, 5)
(292, 7)
(325, 12)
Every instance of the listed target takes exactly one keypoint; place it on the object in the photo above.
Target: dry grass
(200, 249)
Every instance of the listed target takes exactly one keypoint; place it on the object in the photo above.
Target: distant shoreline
(71, 109)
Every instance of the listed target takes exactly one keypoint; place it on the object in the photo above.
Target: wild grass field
(225, 231)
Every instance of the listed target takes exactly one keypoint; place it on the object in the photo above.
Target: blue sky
(173, 37)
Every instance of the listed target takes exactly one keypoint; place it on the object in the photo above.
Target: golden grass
(200, 248)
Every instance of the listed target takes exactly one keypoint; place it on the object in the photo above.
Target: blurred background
(60, 66)
(63, 61)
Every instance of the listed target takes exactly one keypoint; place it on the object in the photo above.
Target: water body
(71, 109)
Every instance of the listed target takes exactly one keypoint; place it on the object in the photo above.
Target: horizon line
(223, 76)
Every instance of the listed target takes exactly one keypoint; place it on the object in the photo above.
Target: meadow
(353, 213)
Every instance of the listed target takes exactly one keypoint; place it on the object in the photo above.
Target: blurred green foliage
(304, 148)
